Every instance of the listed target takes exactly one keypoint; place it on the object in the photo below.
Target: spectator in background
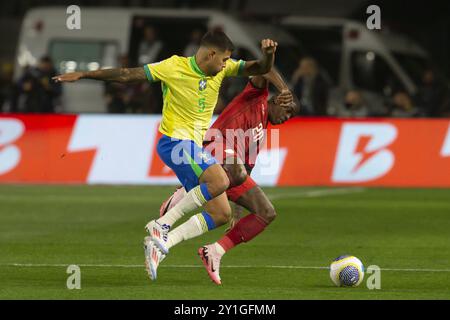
(145, 97)
(51, 91)
(130, 98)
(150, 47)
(194, 43)
(354, 106)
(35, 91)
(116, 93)
(432, 94)
(402, 106)
(6, 85)
(310, 87)
(24, 98)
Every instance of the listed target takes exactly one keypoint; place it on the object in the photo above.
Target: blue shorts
(185, 158)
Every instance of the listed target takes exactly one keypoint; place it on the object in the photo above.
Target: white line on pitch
(200, 266)
(316, 193)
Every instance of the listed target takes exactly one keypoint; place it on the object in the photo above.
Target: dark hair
(218, 39)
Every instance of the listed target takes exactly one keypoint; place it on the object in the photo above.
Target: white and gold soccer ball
(347, 271)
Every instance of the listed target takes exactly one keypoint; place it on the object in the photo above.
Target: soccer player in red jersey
(235, 139)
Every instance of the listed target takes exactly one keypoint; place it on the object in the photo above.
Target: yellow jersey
(189, 95)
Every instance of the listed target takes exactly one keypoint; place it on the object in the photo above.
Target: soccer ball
(346, 271)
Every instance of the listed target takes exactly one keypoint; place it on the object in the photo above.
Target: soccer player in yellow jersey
(190, 88)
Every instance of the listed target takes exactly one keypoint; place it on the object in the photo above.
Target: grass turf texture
(102, 225)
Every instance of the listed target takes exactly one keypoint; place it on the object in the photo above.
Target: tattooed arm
(123, 75)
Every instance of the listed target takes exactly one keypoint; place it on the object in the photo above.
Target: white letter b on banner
(362, 153)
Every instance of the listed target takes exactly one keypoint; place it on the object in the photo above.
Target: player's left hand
(268, 46)
(285, 98)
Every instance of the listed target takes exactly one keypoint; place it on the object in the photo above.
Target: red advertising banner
(121, 149)
(380, 152)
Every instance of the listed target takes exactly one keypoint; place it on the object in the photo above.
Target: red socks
(245, 230)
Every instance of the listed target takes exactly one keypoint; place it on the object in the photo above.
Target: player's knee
(240, 176)
(222, 217)
(225, 182)
(268, 213)
(220, 184)
(237, 174)
(216, 179)
(226, 216)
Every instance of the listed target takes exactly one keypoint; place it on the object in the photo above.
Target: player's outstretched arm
(261, 66)
(123, 75)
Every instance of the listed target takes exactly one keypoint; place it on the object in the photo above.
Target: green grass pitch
(43, 229)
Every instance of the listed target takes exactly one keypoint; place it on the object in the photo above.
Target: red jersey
(242, 125)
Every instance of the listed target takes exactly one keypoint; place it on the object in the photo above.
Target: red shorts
(233, 192)
(236, 192)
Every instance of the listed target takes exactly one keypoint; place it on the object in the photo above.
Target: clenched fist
(268, 46)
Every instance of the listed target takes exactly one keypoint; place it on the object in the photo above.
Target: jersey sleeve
(159, 71)
(234, 68)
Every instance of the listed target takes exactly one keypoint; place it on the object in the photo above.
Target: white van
(107, 33)
(354, 57)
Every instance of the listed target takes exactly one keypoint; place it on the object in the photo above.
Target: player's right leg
(217, 213)
(201, 176)
(217, 208)
(251, 197)
(203, 179)
(243, 231)
(262, 213)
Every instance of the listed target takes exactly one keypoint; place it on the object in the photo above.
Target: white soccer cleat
(153, 257)
(211, 261)
(159, 234)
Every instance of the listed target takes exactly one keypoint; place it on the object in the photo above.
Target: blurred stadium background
(363, 169)
(403, 74)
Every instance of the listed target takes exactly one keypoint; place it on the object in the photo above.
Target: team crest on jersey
(202, 85)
